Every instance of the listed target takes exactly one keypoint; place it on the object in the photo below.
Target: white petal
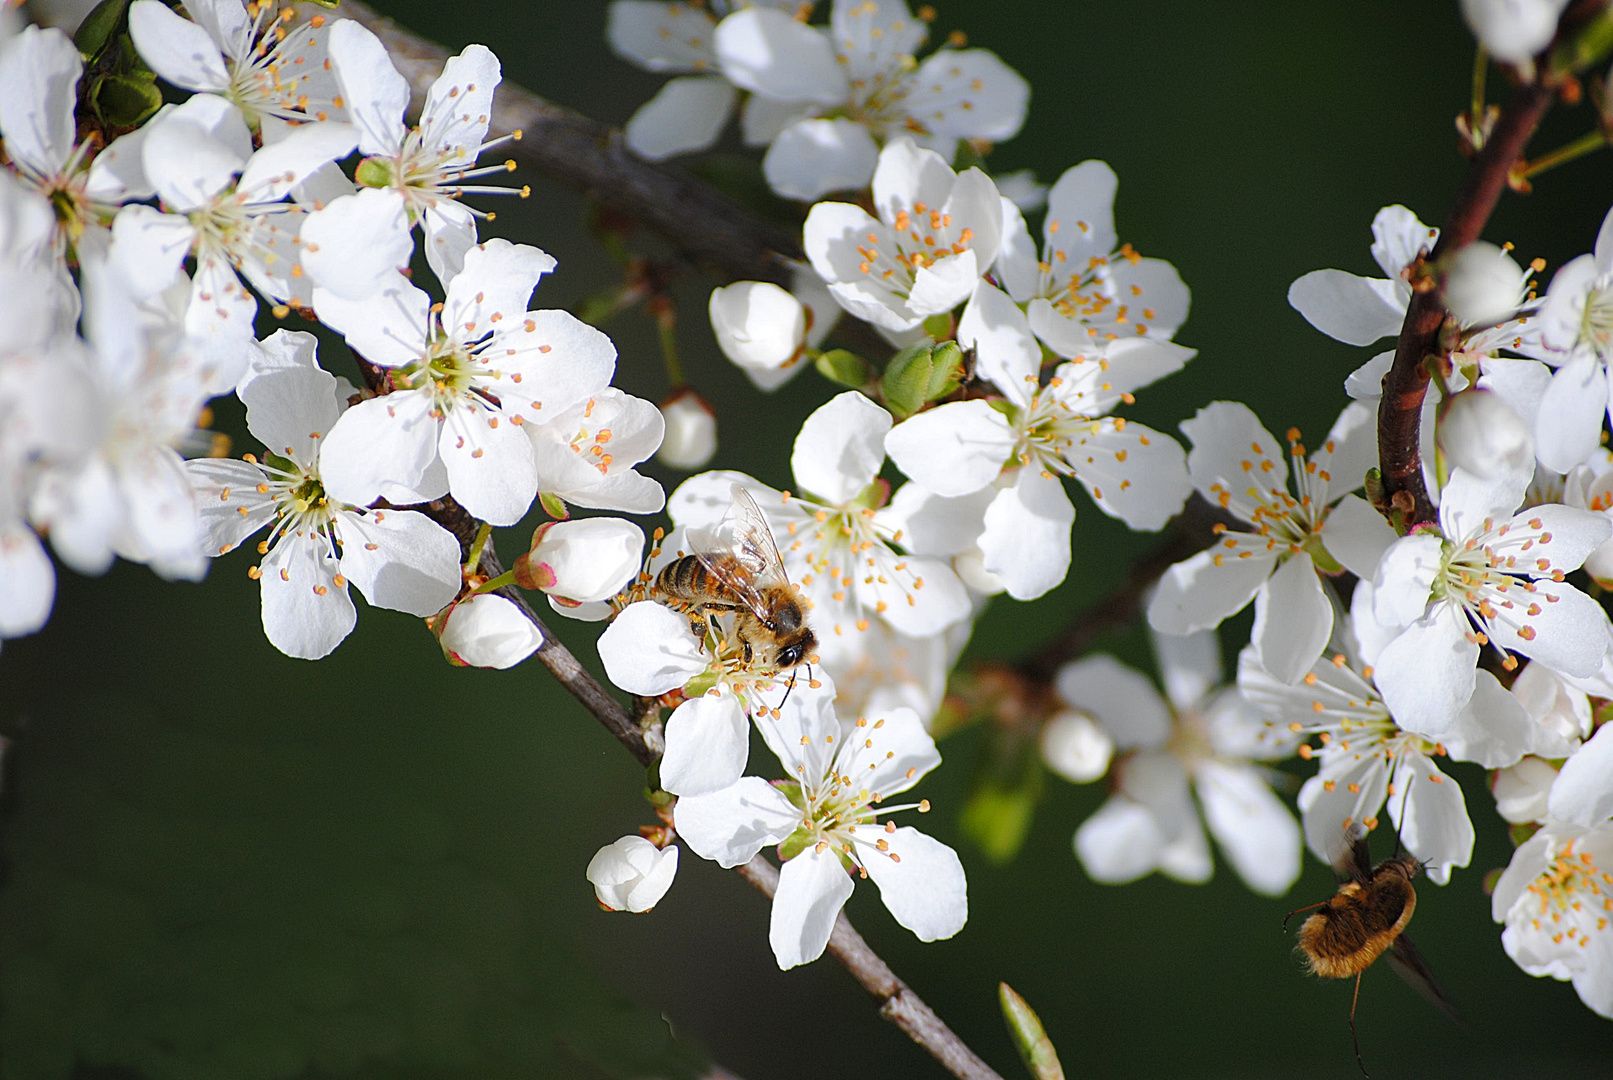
(931, 524)
(1435, 826)
(1120, 843)
(968, 94)
(759, 326)
(659, 36)
(707, 744)
(385, 439)
(832, 234)
(1398, 238)
(1494, 729)
(1583, 791)
(1075, 747)
(375, 93)
(1570, 423)
(649, 650)
(453, 120)
(1522, 791)
(1017, 255)
(1255, 831)
(1293, 619)
(1189, 666)
(731, 825)
(1006, 351)
(921, 881)
(1120, 698)
(810, 158)
(450, 233)
(1403, 583)
(1357, 536)
(272, 172)
(812, 889)
(944, 284)
(118, 173)
(1026, 539)
(495, 284)
(305, 613)
(874, 38)
(1132, 472)
(1570, 632)
(400, 559)
(1197, 593)
(686, 114)
(1349, 789)
(1080, 214)
(1348, 308)
(354, 246)
(488, 631)
(39, 73)
(1426, 674)
(148, 247)
(762, 120)
(177, 49)
(952, 450)
(768, 53)
(27, 581)
(194, 151)
(840, 448)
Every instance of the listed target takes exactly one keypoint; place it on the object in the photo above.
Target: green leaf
(998, 819)
(95, 32)
(125, 101)
(1035, 1048)
(844, 368)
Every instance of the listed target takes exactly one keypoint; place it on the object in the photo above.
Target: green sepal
(700, 684)
(844, 368)
(1321, 557)
(125, 101)
(94, 34)
(921, 374)
(554, 505)
(328, 5)
(1030, 1038)
(794, 844)
(373, 172)
(1522, 831)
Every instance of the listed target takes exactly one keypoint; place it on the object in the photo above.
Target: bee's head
(796, 652)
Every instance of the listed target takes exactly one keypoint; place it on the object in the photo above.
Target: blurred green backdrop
(222, 863)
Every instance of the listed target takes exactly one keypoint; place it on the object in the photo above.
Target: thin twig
(897, 1001)
(707, 226)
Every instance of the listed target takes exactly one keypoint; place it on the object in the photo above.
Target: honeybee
(1366, 917)
(739, 572)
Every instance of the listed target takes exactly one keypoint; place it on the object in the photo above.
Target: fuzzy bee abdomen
(1356, 926)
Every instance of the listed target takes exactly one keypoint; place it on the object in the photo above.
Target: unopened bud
(582, 560)
(691, 431)
(759, 326)
(1483, 285)
(1035, 1048)
(632, 874)
(487, 631)
(1076, 748)
(921, 374)
(1513, 30)
(1480, 433)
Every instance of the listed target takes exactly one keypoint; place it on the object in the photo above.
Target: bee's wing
(742, 556)
(1349, 856)
(753, 542)
(1409, 965)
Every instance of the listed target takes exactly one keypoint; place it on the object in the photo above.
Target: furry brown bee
(1365, 918)
(741, 573)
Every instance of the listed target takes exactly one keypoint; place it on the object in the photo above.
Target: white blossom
(487, 631)
(632, 874)
(1576, 330)
(1358, 310)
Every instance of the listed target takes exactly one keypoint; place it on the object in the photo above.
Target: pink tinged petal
(1121, 842)
(810, 158)
(1120, 698)
(1133, 473)
(1398, 237)
(376, 95)
(450, 232)
(1583, 791)
(840, 448)
(1293, 619)
(385, 439)
(1197, 593)
(1357, 536)
(944, 284)
(1026, 540)
(952, 450)
(730, 825)
(1434, 825)
(660, 36)
(1403, 584)
(27, 581)
(649, 650)
(1569, 634)
(354, 246)
(1255, 831)
(1494, 729)
(707, 744)
(228, 505)
(1017, 255)
(769, 53)
(632, 874)
(39, 73)
(453, 121)
(874, 38)
(1569, 428)
(687, 114)
(812, 889)
(495, 285)
(1347, 308)
(273, 171)
(921, 881)
(148, 247)
(1426, 674)
(488, 631)
(400, 560)
(968, 94)
(180, 51)
(118, 173)
(305, 613)
(1233, 452)
(1349, 790)
(193, 152)
(590, 558)
(1189, 666)
(388, 328)
(1006, 350)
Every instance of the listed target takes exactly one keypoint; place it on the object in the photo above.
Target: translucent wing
(744, 558)
(1349, 856)
(1409, 965)
(753, 542)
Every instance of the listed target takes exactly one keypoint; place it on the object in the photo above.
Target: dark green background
(223, 863)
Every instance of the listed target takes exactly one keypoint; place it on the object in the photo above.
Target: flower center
(1596, 327)
(1481, 575)
(1574, 900)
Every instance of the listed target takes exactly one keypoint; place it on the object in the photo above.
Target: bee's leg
(1353, 1036)
(747, 653)
(698, 625)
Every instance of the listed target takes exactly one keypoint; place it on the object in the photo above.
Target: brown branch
(1406, 385)
(897, 1001)
(706, 225)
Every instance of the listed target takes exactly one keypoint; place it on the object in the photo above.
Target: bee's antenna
(1353, 1036)
(788, 687)
(1296, 911)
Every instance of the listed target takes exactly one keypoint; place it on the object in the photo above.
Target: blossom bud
(921, 374)
(1513, 30)
(1076, 748)
(1035, 1048)
(585, 559)
(487, 631)
(691, 431)
(1480, 433)
(631, 874)
(1521, 790)
(1483, 285)
(759, 326)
